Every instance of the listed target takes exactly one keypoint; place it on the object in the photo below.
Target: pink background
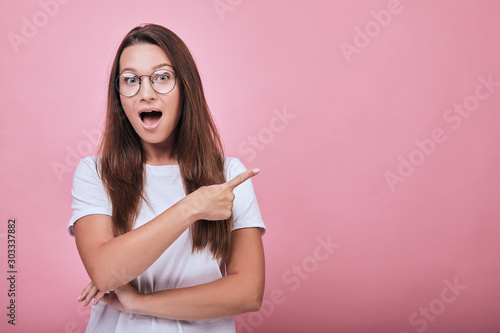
(363, 148)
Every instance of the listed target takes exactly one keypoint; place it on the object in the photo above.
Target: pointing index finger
(242, 177)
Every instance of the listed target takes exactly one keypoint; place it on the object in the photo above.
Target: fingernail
(256, 171)
(79, 297)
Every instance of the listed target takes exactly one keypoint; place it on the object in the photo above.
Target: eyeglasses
(162, 81)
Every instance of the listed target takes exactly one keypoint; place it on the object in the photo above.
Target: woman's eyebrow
(163, 65)
(130, 69)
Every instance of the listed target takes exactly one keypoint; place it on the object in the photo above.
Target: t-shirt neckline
(162, 170)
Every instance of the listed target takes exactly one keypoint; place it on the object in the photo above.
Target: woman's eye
(162, 78)
(130, 80)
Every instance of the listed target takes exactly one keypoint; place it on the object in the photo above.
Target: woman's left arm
(241, 290)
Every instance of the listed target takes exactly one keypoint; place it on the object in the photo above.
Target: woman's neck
(160, 154)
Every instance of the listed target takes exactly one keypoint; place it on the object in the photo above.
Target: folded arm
(238, 292)
(112, 261)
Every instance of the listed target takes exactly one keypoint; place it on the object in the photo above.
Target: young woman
(167, 227)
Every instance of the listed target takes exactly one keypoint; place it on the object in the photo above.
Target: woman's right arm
(111, 262)
(114, 261)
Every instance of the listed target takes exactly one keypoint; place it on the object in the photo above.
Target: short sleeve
(246, 212)
(88, 192)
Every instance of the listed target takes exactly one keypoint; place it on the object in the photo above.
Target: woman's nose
(146, 91)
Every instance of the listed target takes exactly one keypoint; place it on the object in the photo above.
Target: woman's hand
(123, 298)
(89, 293)
(215, 202)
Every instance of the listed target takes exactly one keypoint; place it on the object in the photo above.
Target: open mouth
(150, 118)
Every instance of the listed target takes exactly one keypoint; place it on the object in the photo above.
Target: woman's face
(153, 116)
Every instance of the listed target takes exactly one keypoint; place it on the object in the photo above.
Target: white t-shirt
(177, 267)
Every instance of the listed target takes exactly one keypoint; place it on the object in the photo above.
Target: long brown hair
(197, 144)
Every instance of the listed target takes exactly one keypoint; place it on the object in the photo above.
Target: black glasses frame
(117, 85)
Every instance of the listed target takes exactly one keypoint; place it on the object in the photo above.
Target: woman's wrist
(138, 305)
(190, 208)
